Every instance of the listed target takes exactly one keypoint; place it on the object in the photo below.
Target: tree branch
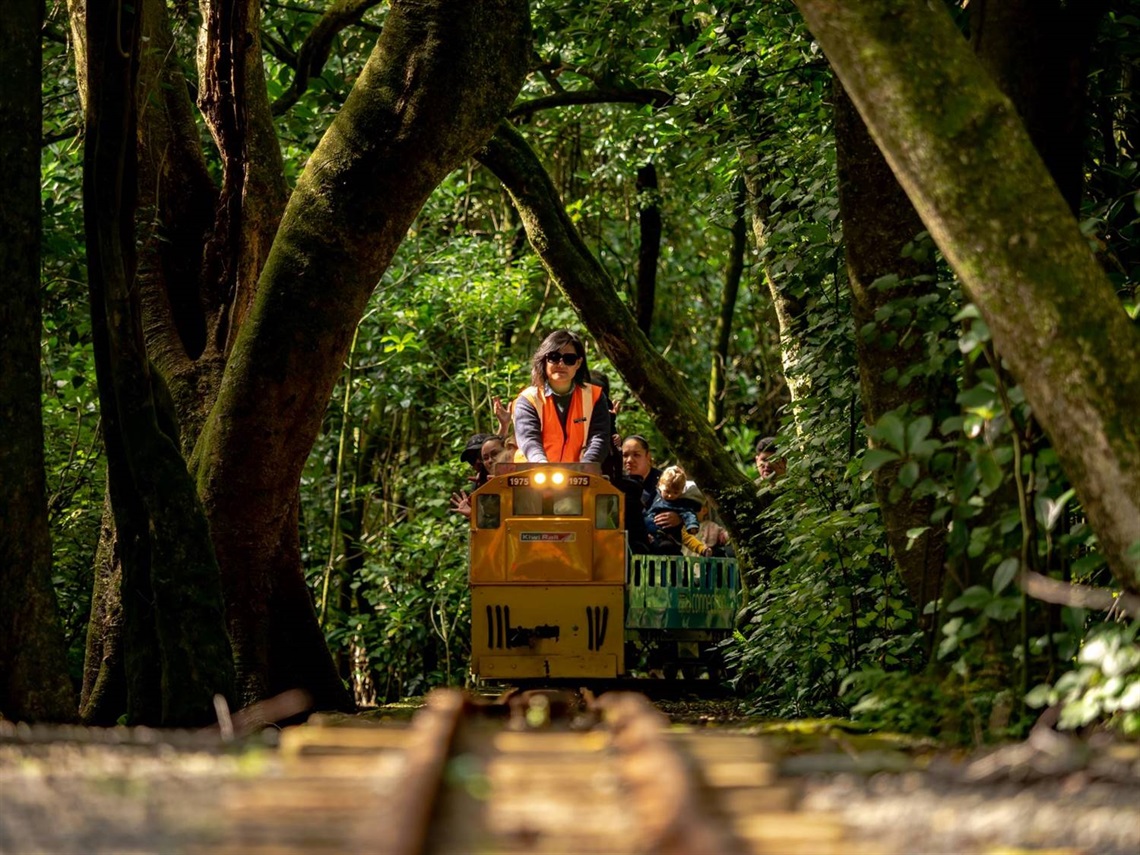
(987, 198)
(314, 51)
(1080, 596)
(656, 97)
(649, 376)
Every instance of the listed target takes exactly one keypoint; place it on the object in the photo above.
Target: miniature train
(555, 594)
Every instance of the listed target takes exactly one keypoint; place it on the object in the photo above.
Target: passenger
(461, 503)
(502, 416)
(667, 539)
(714, 537)
(770, 465)
(489, 453)
(638, 464)
(712, 534)
(473, 454)
(561, 418)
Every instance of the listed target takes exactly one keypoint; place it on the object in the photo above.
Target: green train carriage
(555, 593)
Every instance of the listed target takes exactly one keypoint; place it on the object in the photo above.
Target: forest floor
(1053, 792)
(73, 790)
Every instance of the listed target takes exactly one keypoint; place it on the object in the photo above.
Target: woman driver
(561, 418)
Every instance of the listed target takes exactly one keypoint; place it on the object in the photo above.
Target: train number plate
(579, 480)
(518, 480)
(547, 536)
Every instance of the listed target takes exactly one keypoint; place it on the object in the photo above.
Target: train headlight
(559, 478)
(540, 477)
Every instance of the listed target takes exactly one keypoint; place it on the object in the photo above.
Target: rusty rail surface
(665, 787)
(434, 732)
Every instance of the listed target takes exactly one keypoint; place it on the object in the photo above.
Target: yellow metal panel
(545, 667)
(488, 546)
(609, 556)
(546, 549)
(540, 631)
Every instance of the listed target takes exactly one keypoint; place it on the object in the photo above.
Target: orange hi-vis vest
(562, 447)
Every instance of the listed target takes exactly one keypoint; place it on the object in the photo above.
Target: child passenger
(666, 540)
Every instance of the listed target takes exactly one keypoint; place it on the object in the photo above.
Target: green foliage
(1104, 685)
(454, 320)
(832, 605)
(73, 448)
(409, 607)
(957, 710)
(831, 608)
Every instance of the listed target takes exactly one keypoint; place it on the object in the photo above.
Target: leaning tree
(967, 163)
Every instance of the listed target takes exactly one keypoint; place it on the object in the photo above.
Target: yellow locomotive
(554, 593)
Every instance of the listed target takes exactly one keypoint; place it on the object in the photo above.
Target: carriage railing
(681, 592)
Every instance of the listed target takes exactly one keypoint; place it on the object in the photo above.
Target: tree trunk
(235, 104)
(966, 162)
(103, 697)
(791, 309)
(1037, 52)
(588, 288)
(732, 277)
(34, 684)
(649, 244)
(436, 83)
(878, 221)
(177, 655)
(176, 201)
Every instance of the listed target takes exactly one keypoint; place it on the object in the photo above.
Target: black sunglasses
(565, 358)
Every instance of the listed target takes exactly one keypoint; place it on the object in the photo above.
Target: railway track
(537, 772)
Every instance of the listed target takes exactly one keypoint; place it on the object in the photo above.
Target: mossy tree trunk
(790, 307)
(965, 160)
(878, 222)
(103, 694)
(177, 654)
(676, 413)
(182, 225)
(34, 684)
(1038, 53)
(733, 274)
(440, 77)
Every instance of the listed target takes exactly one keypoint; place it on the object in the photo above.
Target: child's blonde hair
(673, 478)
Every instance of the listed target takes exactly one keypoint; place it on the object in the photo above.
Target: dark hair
(639, 439)
(767, 444)
(473, 451)
(554, 343)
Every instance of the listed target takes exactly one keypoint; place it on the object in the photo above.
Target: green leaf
(908, 474)
(950, 425)
(975, 597)
(1039, 696)
(917, 431)
(1002, 608)
(1005, 573)
(980, 397)
(990, 471)
(874, 458)
(891, 430)
(968, 311)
